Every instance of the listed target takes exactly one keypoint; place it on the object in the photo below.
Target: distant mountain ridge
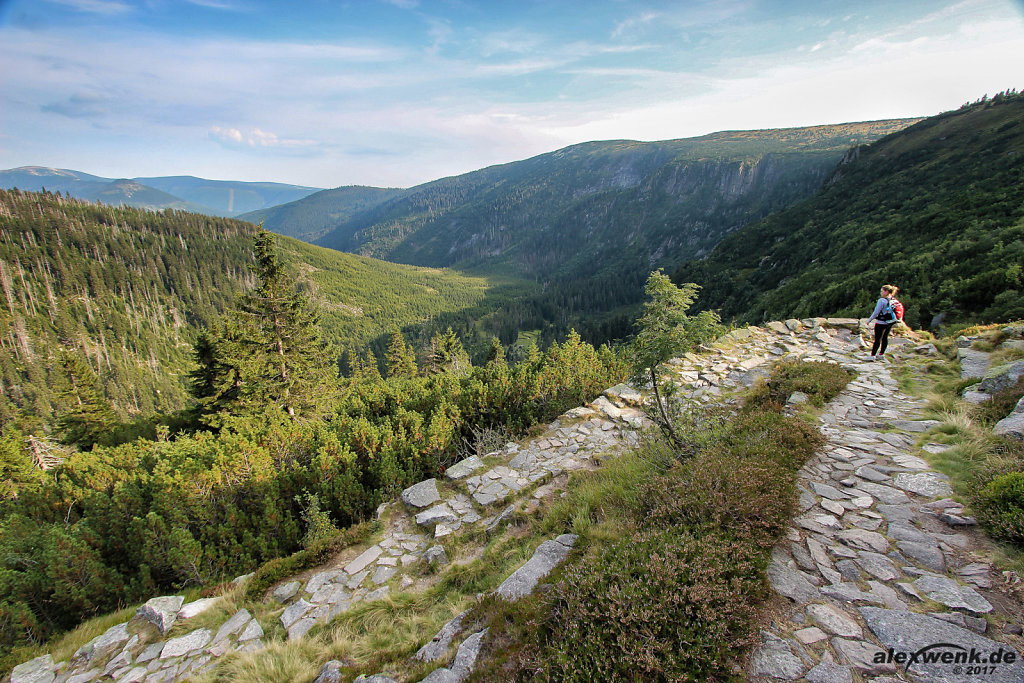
(589, 222)
(211, 197)
(311, 217)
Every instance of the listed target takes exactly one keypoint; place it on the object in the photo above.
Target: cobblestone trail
(878, 559)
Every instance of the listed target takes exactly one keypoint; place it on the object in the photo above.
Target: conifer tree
(446, 354)
(88, 416)
(273, 341)
(400, 359)
(495, 354)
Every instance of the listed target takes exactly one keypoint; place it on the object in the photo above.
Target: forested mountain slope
(589, 222)
(936, 209)
(127, 290)
(309, 218)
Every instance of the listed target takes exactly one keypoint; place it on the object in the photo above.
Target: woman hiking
(884, 317)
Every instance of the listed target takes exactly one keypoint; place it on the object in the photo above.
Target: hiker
(884, 317)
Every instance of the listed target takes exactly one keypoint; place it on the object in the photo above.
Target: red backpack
(897, 308)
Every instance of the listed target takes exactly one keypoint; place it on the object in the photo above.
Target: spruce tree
(273, 341)
(400, 359)
(87, 417)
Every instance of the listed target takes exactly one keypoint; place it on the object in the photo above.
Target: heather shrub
(1000, 507)
(662, 606)
(820, 381)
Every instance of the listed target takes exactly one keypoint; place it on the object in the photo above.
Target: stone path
(864, 530)
(882, 574)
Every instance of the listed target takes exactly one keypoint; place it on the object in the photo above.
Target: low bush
(662, 605)
(820, 381)
(1000, 507)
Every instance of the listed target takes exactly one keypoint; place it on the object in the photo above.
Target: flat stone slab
(421, 495)
(791, 583)
(38, 670)
(775, 659)
(440, 643)
(952, 594)
(232, 625)
(547, 556)
(864, 540)
(835, 620)
(368, 557)
(912, 634)
(287, 590)
(829, 673)
(295, 612)
(464, 468)
(176, 647)
(439, 514)
(196, 607)
(885, 494)
(973, 363)
(928, 484)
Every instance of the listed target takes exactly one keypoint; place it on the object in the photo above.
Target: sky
(394, 93)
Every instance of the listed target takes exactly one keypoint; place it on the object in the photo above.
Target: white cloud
(233, 137)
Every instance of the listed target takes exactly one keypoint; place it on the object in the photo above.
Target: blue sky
(398, 92)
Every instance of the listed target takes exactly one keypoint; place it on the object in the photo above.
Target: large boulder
(1013, 424)
(421, 495)
(1001, 377)
(162, 612)
(547, 556)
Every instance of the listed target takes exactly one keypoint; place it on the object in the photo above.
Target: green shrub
(1000, 507)
(661, 606)
(820, 381)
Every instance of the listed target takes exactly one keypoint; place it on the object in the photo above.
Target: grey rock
(871, 474)
(85, 677)
(161, 612)
(952, 594)
(286, 591)
(176, 647)
(378, 594)
(295, 612)
(376, 678)
(927, 554)
(849, 592)
(896, 513)
(797, 398)
(440, 643)
(196, 607)
(774, 658)
(864, 540)
(383, 575)
(503, 517)
(929, 484)
(908, 632)
(151, 652)
(914, 426)
(1012, 425)
(444, 675)
(791, 583)
(436, 556)
(1001, 377)
(835, 620)
(108, 642)
(38, 670)
(547, 556)
(878, 565)
(827, 491)
(861, 655)
(905, 532)
(330, 672)
(626, 394)
(829, 673)
(300, 628)
(885, 494)
(465, 657)
(232, 625)
(252, 631)
(464, 468)
(321, 579)
(421, 495)
(973, 363)
(368, 557)
(976, 397)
